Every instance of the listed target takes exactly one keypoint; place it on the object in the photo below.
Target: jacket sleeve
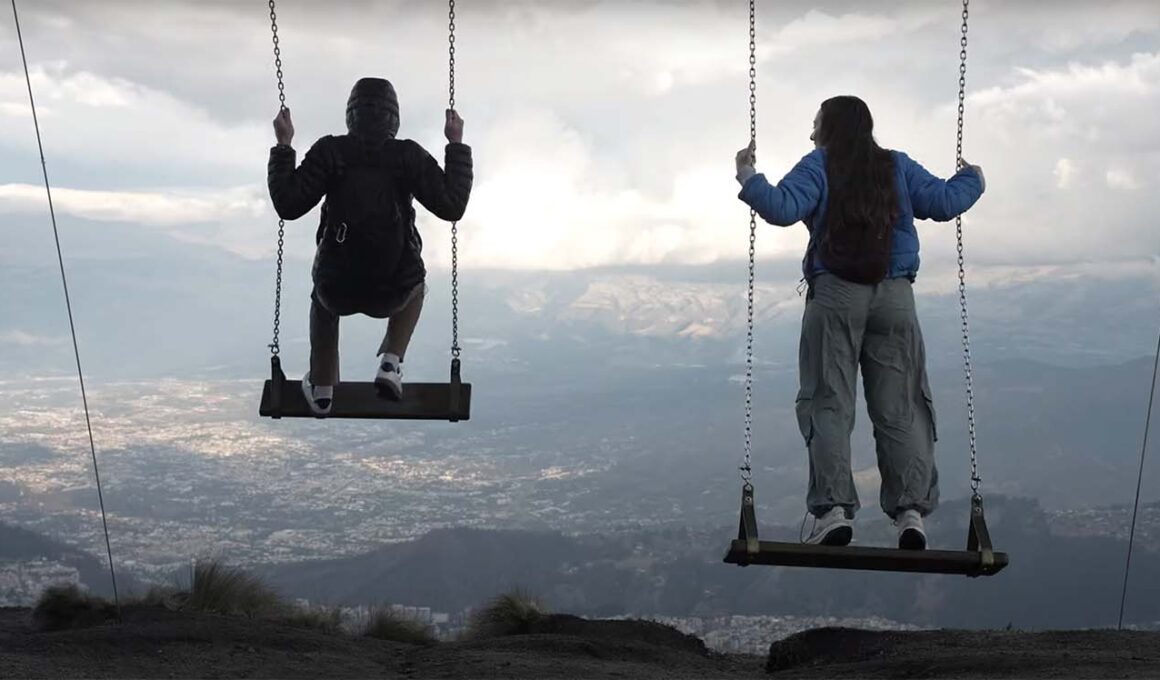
(791, 200)
(443, 192)
(940, 200)
(295, 191)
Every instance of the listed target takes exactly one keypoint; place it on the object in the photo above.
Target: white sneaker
(911, 534)
(389, 379)
(832, 528)
(318, 398)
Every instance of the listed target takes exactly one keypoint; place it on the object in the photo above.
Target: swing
(979, 558)
(450, 401)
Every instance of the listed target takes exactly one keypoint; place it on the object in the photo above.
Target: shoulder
(408, 151)
(408, 146)
(901, 160)
(328, 142)
(813, 162)
(328, 146)
(812, 165)
(815, 158)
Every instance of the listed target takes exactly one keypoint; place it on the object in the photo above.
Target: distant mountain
(182, 309)
(1052, 581)
(1110, 521)
(22, 545)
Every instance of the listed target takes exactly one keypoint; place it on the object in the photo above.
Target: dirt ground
(157, 643)
(846, 653)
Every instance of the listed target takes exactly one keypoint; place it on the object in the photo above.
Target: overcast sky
(603, 132)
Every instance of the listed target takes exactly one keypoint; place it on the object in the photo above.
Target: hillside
(20, 546)
(678, 572)
(158, 643)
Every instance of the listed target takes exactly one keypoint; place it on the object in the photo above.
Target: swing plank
(775, 553)
(421, 401)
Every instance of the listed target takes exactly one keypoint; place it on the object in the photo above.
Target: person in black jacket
(368, 175)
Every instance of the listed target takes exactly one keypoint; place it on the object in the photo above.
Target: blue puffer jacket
(801, 196)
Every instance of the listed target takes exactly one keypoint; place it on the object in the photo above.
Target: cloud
(602, 135)
(1064, 146)
(1076, 25)
(1119, 178)
(574, 207)
(583, 206)
(109, 122)
(153, 208)
(1065, 171)
(818, 29)
(21, 338)
(1101, 106)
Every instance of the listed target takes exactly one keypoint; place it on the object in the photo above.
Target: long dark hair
(860, 174)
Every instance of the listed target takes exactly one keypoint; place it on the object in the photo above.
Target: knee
(827, 422)
(805, 416)
(890, 411)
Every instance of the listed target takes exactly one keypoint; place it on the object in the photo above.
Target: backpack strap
(355, 155)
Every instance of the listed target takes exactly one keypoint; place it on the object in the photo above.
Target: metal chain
(746, 470)
(274, 347)
(975, 480)
(454, 225)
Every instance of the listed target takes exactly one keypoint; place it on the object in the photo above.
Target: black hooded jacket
(372, 118)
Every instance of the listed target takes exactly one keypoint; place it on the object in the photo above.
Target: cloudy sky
(603, 132)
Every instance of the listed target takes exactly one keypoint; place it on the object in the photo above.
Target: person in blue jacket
(859, 203)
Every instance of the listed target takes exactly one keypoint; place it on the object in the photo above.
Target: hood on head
(372, 110)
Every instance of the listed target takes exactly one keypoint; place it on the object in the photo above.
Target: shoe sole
(314, 407)
(837, 537)
(389, 390)
(912, 539)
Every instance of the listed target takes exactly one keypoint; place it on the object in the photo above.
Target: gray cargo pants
(846, 325)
